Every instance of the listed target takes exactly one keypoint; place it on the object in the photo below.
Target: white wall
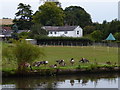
(69, 33)
(80, 32)
(61, 33)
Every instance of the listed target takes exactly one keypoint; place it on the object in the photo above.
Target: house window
(55, 32)
(66, 32)
(50, 32)
(77, 32)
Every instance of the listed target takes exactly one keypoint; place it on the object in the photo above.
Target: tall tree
(75, 15)
(23, 17)
(49, 14)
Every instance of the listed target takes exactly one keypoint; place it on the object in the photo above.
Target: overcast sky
(98, 9)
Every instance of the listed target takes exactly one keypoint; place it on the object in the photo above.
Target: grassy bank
(92, 53)
(47, 71)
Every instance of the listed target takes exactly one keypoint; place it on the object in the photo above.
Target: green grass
(98, 53)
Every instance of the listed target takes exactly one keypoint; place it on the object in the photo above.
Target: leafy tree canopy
(75, 15)
(37, 30)
(49, 14)
(97, 35)
(117, 36)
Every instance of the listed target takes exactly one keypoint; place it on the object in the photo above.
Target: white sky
(98, 9)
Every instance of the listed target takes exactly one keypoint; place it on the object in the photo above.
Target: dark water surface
(64, 81)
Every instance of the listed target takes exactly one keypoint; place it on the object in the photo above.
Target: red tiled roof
(6, 28)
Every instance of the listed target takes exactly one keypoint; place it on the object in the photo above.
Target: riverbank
(62, 71)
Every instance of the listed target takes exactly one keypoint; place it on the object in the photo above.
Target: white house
(65, 31)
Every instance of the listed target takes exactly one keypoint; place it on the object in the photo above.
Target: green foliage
(19, 53)
(114, 26)
(75, 15)
(117, 36)
(7, 51)
(26, 52)
(100, 54)
(24, 15)
(88, 29)
(97, 35)
(24, 35)
(8, 59)
(108, 27)
(37, 30)
(49, 14)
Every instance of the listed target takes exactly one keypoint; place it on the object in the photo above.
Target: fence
(63, 43)
(68, 43)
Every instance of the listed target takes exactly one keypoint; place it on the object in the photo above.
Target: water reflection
(63, 81)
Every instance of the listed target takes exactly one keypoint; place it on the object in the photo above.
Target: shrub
(26, 52)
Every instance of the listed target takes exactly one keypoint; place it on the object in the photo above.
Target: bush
(97, 35)
(26, 52)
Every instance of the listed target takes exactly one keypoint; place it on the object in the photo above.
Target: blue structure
(110, 37)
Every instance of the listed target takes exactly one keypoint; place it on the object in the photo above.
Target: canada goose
(84, 60)
(53, 66)
(60, 61)
(45, 62)
(72, 61)
(28, 65)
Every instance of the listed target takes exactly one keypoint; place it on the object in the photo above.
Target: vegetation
(117, 36)
(76, 15)
(24, 35)
(97, 35)
(37, 30)
(105, 28)
(49, 14)
(101, 55)
(21, 52)
(23, 17)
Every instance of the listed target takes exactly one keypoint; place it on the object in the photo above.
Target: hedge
(62, 41)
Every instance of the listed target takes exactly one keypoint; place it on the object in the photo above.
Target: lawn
(100, 54)
(92, 53)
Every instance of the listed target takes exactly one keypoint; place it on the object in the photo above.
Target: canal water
(63, 81)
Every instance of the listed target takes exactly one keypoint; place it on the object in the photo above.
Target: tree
(112, 27)
(23, 17)
(75, 15)
(88, 29)
(117, 36)
(37, 30)
(97, 35)
(49, 14)
(24, 52)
